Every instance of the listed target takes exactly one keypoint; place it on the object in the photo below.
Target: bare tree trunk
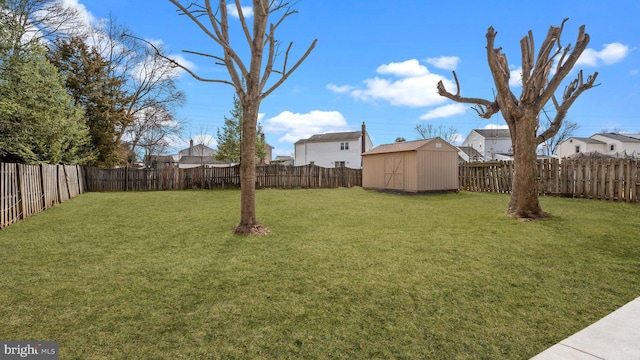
(524, 202)
(248, 221)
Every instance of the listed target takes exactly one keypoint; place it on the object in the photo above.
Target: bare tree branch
(485, 108)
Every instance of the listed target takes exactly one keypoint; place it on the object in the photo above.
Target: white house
(342, 149)
(612, 144)
(493, 144)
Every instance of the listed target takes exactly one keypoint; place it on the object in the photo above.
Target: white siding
(619, 147)
(568, 147)
(325, 154)
(488, 146)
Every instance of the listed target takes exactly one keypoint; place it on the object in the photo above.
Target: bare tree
(428, 131)
(539, 85)
(152, 129)
(248, 78)
(568, 128)
(34, 20)
(149, 82)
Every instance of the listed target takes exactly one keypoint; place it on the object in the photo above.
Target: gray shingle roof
(470, 151)
(494, 133)
(586, 140)
(619, 137)
(331, 137)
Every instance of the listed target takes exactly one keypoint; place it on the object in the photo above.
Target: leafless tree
(150, 83)
(550, 145)
(249, 77)
(152, 130)
(539, 85)
(428, 131)
(35, 20)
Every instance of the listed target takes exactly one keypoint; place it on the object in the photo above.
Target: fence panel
(9, 195)
(26, 190)
(604, 179)
(170, 178)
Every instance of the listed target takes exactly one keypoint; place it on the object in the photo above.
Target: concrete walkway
(614, 337)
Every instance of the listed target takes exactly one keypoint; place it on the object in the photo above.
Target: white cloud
(340, 89)
(416, 86)
(282, 152)
(610, 54)
(184, 62)
(292, 127)
(445, 111)
(458, 139)
(247, 11)
(409, 68)
(515, 78)
(86, 17)
(445, 62)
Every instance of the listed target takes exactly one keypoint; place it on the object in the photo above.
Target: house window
(577, 148)
(344, 146)
(339, 163)
(612, 147)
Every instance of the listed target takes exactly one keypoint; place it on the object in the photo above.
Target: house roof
(401, 146)
(331, 137)
(494, 133)
(209, 160)
(619, 137)
(471, 152)
(160, 158)
(585, 140)
(197, 147)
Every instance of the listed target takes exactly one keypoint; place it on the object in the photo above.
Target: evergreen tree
(230, 138)
(89, 82)
(39, 121)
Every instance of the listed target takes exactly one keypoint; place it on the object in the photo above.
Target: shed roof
(330, 137)
(403, 146)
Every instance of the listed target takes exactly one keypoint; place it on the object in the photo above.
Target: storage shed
(411, 166)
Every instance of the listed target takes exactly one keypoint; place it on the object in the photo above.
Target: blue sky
(378, 62)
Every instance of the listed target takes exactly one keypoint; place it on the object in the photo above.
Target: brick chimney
(364, 136)
(191, 147)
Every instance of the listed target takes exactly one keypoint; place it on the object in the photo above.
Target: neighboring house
(187, 162)
(283, 160)
(158, 161)
(469, 154)
(611, 144)
(197, 155)
(268, 153)
(197, 150)
(492, 144)
(342, 149)
(411, 166)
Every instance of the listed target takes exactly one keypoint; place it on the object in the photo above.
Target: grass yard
(345, 274)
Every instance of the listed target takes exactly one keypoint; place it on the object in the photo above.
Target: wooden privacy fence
(604, 179)
(270, 176)
(26, 190)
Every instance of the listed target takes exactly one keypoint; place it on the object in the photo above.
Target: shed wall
(437, 170)
(433, 167)
(390, 171)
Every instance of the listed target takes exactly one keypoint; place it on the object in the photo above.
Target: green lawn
(345, 273)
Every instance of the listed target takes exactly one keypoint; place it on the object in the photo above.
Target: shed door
(393, 173)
